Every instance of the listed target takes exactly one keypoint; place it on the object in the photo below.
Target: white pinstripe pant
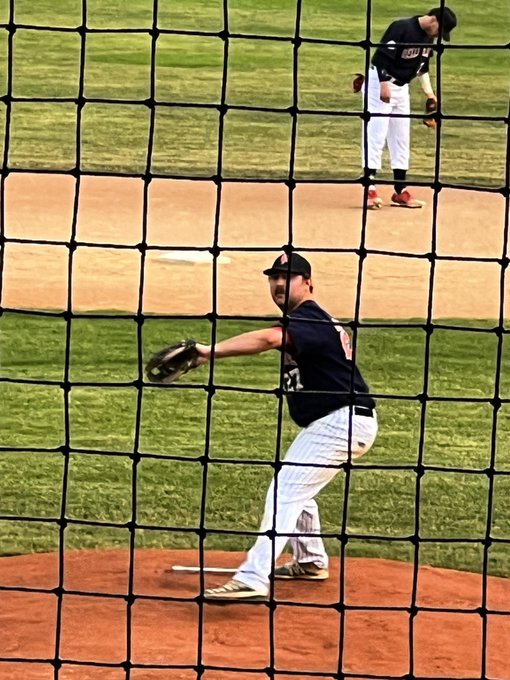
(324, 442)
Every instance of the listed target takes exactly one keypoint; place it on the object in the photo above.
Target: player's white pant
(382, 129)
(324, 442)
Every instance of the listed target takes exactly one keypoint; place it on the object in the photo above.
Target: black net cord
(215, 250)
(140, 349)
(7, 138)
(288, 249)
(361, 253)
(57, 662)
(423, 401)
(496, 403)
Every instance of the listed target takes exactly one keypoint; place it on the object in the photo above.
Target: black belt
(395, 81)
(363, 411)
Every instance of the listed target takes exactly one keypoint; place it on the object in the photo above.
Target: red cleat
(373, 200)
(405, 200)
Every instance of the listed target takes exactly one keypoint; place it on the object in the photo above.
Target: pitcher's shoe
(373, 200)
(405, 200)
(235, 590)
(306, 571)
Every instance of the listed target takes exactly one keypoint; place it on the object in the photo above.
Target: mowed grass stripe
(189, 70)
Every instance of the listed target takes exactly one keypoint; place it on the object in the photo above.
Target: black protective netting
(295, 115)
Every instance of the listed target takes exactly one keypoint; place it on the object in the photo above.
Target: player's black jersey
(319, 372)
(398, 59)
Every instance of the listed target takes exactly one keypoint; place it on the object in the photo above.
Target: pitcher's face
(299, 289)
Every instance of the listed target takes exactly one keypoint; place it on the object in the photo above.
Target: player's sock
(400, 180)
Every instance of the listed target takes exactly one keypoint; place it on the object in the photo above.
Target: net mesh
(295, 114)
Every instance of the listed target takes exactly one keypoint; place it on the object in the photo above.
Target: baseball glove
(430, 107)
(357, 83)
(171, 363)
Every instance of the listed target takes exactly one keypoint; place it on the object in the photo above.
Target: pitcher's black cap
(298, 265)
(447, 20)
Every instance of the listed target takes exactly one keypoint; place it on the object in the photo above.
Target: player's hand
(430, 108)
(385, 92)
(204, 353)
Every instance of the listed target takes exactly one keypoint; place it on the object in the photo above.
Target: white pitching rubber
(206, 570)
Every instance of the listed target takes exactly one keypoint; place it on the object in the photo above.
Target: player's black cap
(447, 20)
(298, 265)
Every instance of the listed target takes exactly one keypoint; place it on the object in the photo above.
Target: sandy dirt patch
(112, 216)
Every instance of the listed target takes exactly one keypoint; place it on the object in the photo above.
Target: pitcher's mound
(166, 633)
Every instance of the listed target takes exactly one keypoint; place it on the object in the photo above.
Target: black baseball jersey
(399, 60)
(319, 372)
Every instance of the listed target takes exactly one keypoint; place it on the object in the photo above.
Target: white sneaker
(235, 590)
(305, 571)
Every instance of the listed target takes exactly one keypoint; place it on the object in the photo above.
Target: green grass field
(189, 69)
(453, 504)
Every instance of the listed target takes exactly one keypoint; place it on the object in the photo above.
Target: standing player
(329, 399)
(403, 56)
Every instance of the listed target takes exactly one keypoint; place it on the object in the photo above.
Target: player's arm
(254, 342)
(424, 78)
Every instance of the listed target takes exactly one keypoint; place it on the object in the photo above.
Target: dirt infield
(395, 284)
(181, 214)
(306, 638)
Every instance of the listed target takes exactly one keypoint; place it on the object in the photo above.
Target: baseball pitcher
(328, 398)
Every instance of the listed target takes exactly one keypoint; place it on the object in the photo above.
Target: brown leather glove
(172, 362)
(430, 107)
(357, 83)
